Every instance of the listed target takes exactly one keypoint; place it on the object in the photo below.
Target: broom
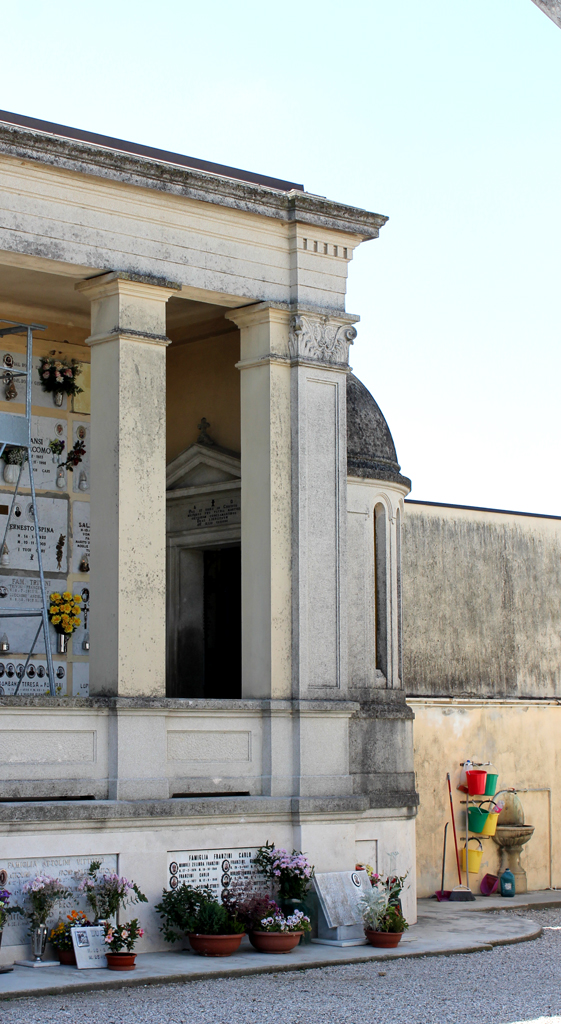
(461, 893)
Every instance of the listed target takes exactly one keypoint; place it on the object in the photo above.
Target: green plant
(122, 936)
(4, 908)
(106, 894)
(14, 456)
(296, 922)
(40, 896)
(291, 872)
(378, 914)
(194, 910)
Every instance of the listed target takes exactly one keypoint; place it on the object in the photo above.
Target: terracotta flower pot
(121, 961)
(215, 945)
(274, 942)
(387, 940)
(66, 956)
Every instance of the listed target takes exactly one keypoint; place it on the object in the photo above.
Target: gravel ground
(505, 985)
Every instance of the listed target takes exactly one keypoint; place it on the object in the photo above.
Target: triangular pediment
(202, 464)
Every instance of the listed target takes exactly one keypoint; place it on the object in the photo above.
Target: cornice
(101, 162)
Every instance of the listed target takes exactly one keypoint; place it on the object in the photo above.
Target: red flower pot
(386, 940)
(215, 945)
(274, 942)
(66, 956)
(121, 961)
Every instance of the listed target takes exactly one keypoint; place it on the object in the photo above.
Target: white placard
(70, 871)
(35, 682)
(21, 592)
(81, 588)
(218, 869)
(46, 473)
(81, 475)
(38, 396)
(80, 679)
(80, 534)
(20, 541)
(90, 947)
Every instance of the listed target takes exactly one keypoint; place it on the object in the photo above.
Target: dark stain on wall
(481, 605)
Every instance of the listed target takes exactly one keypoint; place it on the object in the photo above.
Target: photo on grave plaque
(89, 947)
(81, 474)
(38, 396)
(81, 635)
(34, 679)
(20, 549)
(46, 472)
(217, 869)
(81, 536)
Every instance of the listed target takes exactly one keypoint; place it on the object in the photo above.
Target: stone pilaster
(128, 524)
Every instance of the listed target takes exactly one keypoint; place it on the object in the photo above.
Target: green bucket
(491, 784)
(477, 819)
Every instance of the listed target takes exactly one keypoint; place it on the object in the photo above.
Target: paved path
(442, 929)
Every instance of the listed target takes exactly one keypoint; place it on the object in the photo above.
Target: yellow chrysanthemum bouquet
(64, 612)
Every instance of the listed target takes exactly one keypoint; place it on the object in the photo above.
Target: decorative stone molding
(320, 340)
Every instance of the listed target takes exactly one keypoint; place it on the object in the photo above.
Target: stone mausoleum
(237, 676)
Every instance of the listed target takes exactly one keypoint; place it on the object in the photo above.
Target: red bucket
(476, 779)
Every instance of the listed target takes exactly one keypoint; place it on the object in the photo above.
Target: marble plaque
(35, 682)
(79, 634)
(339, 893)
(38, 396)
(207, 512)
(216, 868)
(80, 679)
(81, 474)
(70, 871)
(21, 592)
(20, 541)
(80, 534)
(45, 465)
(89, 947)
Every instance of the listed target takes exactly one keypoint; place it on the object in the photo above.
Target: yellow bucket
(490, 826)
(474, 858)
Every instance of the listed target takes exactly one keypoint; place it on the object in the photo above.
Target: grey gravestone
(340, 917)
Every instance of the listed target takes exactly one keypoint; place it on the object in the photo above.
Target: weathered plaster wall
(202, 380)
(521, 738)
(481, 603)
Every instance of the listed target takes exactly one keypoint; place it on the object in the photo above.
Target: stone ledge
(179, 704)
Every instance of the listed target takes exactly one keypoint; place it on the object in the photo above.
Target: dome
(370, 449)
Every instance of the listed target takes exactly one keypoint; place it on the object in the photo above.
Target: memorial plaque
(218, 869)
(89, 947)
(340, 916)
(70, 871)
(82, 633)
(35, 683)
(20, 542)
(81, 474)
(207, 512)
(45, 465)
(38, 396)
(80, 679)
(80, 536)
(21, 592)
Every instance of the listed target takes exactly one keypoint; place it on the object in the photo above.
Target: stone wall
(481, 605)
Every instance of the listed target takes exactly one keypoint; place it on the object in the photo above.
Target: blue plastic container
(507, 883)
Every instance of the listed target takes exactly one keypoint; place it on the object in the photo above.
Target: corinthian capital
(321, 339)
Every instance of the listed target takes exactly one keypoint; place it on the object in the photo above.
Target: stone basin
(513, 836)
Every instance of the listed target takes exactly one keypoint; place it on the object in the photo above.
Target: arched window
(381, 587)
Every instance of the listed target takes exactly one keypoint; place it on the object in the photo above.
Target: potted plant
(61, 936)
(58, 377)
(290, 874)
(40, 898)
(4, 909)
(279, 934)
(121, 939)
(108, 893)
(14, 457)
(64, 614)
(384, 923)
(193, 911)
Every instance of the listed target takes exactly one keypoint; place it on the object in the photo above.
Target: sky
(445, 116)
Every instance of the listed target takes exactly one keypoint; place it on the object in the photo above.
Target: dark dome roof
(370, 449)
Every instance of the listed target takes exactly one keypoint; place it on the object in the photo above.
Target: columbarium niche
(204, 573)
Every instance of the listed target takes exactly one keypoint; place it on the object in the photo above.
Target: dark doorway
(204, 655)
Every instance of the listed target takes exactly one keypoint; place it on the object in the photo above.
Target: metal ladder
(15, 430)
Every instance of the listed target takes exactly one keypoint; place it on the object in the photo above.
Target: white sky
(443, 115)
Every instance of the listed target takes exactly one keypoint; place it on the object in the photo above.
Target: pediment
(202, 464)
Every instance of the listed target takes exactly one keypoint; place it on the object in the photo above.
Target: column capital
(325, 338)
(130, 306)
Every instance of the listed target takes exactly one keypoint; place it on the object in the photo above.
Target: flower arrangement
(64, 612)
(14, 456)
(4, 908)
(391, 884)
(291, 872)
(296, 922)
(107, 893)
(61, 934)
(249, 906)
(74, 457)
(193, 910)
(379, 915)
(59, 376)
(122, 937)
(40, 897)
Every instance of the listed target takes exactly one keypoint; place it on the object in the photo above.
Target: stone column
(319, 348)
(128, 522)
